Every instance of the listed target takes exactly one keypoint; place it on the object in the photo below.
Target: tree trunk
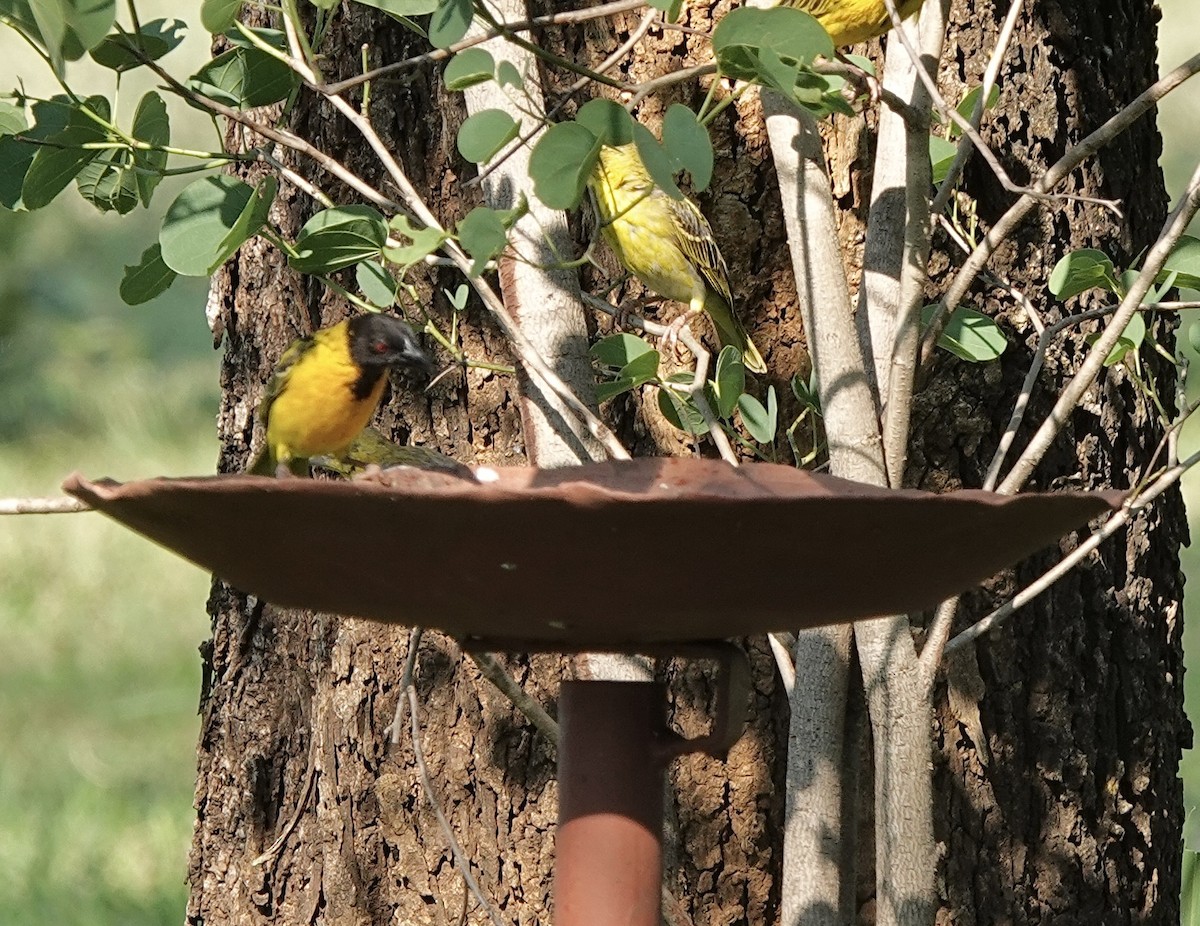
(1056, 745)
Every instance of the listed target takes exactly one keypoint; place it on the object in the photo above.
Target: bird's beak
(419, 361)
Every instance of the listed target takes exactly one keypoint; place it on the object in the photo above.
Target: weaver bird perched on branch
(326, 389)
(848, 22)
(667, 244)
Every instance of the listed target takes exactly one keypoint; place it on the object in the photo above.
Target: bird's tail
(731, 331)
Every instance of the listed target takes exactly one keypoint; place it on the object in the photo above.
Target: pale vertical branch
(817, 886)
(544, 300)
(898, 236)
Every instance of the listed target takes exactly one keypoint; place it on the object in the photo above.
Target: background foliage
(98, 696)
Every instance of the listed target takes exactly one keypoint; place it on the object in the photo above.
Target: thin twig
(406, 680)
(1114, 523)
(460, 859)
(1072, 393)
(294, 821)
(58, 505)
(491, 669)
(985, 90)
(696, 390)
(783, 662)
(554, 19)
(965, 278)
(935, 642)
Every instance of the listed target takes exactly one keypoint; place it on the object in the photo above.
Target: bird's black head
(384, 341)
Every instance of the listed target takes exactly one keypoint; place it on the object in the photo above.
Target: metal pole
(608, 868)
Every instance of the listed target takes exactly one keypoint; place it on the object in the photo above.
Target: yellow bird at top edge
(326, 388)
(667, 244)
(848, 22)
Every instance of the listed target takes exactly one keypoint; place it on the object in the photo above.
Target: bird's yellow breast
(637, 224)
(317, 413)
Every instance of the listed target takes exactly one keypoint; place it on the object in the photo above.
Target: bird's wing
(281, 375)
(695, 238)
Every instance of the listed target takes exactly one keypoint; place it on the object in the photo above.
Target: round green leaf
(561, 162)
(607, 120)
(204, 225)
(124, 52)
(941, 155)
(245, 77)
(218, 15)
(450, 22)
(485, 133)
(482, 235)
(792, 35)
(969, 335)
(687, 143)
(618, 350)
(658, 165)
(469, 67)
(507, 75)
(681, 412)
(12, 119)
(1082, 270)
(375, 283)
(339, 237)
(400, 9)
(55, 165)
(1184, 262)
(730, 381)
(152, 125)
(148, 278)
(424, 242)
(109, 183)
(760, 422)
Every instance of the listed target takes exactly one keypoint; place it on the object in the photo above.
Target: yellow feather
(849, 22)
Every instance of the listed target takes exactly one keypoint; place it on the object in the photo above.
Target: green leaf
(484, 133)
(791, 34)
(245, 77)
(424, 242)
(375, 283)
(969, 335)
(1184, 261)
(218, 15)
(152, 125)
(642, 368)
(561, 162)
(687, 143)
(967, 107)
(658, 165)
(49, 118)
(670, 7)
(607, 120)
(1130, 340)
(148, 278)
(450, 22)
(109, 183)
(681, 412)
(806, 392)
(339, 237)
(468, 68)
(124, 52)
(613, 388)
(209, 220)
(482, 235)
(942, 153)
(12, 118)
(760, 422)
(1082, 270)
(619, 350)
(402, 9)
(507, 75)
(59, 162)
(730, 380)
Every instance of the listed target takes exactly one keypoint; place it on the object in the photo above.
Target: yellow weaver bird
(667, 244)
(326, 388)
(848, 22)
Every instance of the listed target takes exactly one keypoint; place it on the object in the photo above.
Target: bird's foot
(670, 339)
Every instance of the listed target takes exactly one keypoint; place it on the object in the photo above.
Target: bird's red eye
(379, 347)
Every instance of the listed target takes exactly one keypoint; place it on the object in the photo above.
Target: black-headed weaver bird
(326, 388)
(667, 244)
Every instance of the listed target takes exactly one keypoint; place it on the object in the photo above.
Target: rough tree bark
(1056, 744)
